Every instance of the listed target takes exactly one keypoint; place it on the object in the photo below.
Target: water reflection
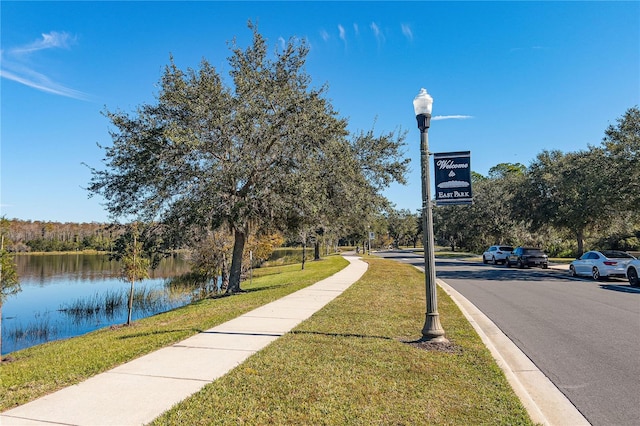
(42, 268)
(68, 295)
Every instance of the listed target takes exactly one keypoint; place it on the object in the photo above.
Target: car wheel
(507, 263)
(573, 271)
(520, 264)
(595, 274)
(484, 260)
(634, 281)
(493, 260)
(545, 266)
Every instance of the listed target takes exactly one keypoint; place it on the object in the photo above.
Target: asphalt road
(583, 335)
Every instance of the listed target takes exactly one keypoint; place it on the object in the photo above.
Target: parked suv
(496, 254)
(527, 256)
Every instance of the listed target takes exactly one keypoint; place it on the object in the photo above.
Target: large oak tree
(215, 155)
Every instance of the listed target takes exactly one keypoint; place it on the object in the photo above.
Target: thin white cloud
(375, 29)
(406, 30)
(282, 42)
(41, 82)
(324, 34)
(13, 65)
(377, 32)
(451, 117)
(51, 40)
(356, 29)
(343, 36)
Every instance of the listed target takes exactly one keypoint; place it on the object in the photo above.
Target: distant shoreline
(44, 253)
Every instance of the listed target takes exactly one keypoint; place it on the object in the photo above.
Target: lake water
(68, 295)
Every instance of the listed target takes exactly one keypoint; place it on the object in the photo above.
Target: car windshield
(535, 252)
(614, 254)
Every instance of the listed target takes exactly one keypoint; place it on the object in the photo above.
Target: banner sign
(453, 178)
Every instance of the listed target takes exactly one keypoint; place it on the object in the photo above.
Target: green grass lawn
(353, 363)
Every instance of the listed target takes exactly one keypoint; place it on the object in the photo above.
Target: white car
(602, 264)
(496, 254)
(633, 271)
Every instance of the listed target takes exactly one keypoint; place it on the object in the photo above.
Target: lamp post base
(432, 330)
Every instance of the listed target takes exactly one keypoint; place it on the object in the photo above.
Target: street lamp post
(432, 330)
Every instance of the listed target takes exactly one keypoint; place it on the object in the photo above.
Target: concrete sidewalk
(137, 392)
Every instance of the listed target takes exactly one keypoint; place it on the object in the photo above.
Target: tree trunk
(580, 239)
(236, 261)
(130, 304)
(224, 274)
(316, 250)
(304, 253)
(134, 271)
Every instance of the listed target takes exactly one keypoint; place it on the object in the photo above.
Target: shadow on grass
(158, 332)
(253, 290)
(241, 333)
(360, 336)
(422, 343)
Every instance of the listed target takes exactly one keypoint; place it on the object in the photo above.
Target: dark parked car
(527, 256)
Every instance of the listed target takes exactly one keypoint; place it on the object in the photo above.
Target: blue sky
(509, 79)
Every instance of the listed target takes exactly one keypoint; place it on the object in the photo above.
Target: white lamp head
(423, 103)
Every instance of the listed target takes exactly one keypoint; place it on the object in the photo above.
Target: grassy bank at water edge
(37, 371)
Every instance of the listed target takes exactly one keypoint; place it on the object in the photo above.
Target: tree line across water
(47, 236)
